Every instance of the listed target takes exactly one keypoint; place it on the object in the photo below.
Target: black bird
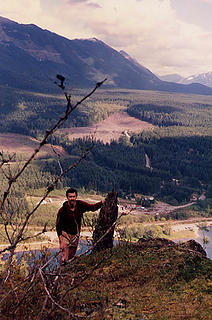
(100, 83)
(62, 79)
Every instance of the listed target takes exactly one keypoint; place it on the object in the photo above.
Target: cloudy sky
(166, 36)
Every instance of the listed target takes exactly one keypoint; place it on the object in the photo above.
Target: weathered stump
(108, 215)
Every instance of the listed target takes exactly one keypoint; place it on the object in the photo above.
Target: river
(84, 245)
(208, 246)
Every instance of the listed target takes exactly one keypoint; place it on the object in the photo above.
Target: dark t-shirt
(70, 221)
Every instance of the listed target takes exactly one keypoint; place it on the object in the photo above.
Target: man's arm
(58, 223)
(90, 207)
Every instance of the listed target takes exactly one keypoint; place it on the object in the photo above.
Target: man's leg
(71, 252)
(73, 244)
(63, 248)
(68, 246)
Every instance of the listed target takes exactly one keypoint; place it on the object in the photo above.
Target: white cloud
(22, 11)
(149, 30)
(87, 2)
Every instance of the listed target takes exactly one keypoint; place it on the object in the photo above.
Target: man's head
(71, 195)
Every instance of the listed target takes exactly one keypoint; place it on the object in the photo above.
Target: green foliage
(181, 114)
(18, 205)
(31, 113)
(45, 215)
(90, 219)
(137, 231)
(31, 178)
(205, 207)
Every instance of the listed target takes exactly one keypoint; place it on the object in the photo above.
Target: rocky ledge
(158, 243)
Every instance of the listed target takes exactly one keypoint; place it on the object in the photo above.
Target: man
(68, 223)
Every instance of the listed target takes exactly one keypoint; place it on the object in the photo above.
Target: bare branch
(85, 277)
(59, 123)
(53, 301)
(13, 179)
(37, 234)
(15, 234)
(6, 231)
(32, 284)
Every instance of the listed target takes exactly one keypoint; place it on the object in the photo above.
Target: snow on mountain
(203, 78)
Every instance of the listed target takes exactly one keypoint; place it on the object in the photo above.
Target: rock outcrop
(158, 243)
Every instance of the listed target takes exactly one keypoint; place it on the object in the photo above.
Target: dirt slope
(111, 128)
(21, 144)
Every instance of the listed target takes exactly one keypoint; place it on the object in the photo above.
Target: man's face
(72, 197)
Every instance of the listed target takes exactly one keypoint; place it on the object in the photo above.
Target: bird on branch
(100, 83)
(62, 79)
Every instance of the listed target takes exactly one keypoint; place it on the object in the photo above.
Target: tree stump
(108, 215)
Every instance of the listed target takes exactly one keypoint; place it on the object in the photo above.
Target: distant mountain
(171, 77)
(203, 78)
(30, 57)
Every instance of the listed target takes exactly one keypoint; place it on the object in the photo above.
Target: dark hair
(71, 190)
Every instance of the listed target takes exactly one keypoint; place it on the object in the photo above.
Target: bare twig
(69, 109)
(53, 301)
(6, 231)
(37, 234)
(59, 123)
(32, 284)
(86, 276)
(16, 236)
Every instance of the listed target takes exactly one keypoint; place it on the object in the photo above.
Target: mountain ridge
(31, 56)
(204, 78)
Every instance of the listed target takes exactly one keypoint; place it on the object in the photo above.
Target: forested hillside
(179, 151)
(179, 148)
(171, 162)
(122, 166)
(32, 113)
